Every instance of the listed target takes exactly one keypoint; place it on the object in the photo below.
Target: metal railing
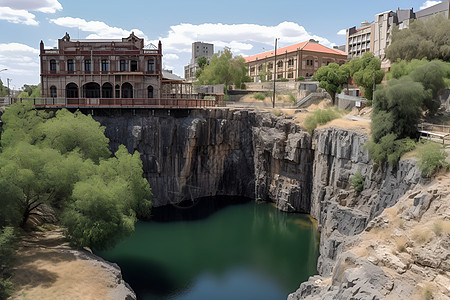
(117, 102)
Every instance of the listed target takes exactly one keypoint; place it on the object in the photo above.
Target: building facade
(199, 49)
(442, 9)
(101, 69)
(302, 59)
(359, 41)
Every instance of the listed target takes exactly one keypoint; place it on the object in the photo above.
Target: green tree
(202, 62)
(433, 75)
(224, 69)
(331, 78)
(420, 40)
(364, 71)
(397, 108)
(263, 73)
(3, 89)
(63, 161)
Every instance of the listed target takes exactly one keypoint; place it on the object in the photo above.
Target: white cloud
(98, 29)
(342, 32)
(17, 16)
(427, 4)
(22, 62)
(171, 56)
(239, 37)
(45, 6)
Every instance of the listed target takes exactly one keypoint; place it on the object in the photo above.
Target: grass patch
(420, 235)
(291, 97)
(401, 242)
(321, 117)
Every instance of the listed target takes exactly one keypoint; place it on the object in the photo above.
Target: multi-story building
(119, 68)
(359, 41)
(293, 61)
(442, 9)
(199, 49)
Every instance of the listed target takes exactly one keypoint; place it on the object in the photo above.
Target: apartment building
(359, 41)
(302, 59)
(119, 68)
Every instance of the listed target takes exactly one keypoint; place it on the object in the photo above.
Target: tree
(364, 71)
(263, 73)
(202, 62)
(63, 161)
(433, 75)
(224, 69)
(3, 89)
(331, 78)
(430, 39)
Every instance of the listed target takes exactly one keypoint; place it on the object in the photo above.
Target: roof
(305, 46)
(170, 76)
(95, 40)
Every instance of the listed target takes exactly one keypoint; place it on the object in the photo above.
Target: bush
(7, 246)
(357, 182)
(259, 96)
(321, 117)
(389, 149)
(431, 159)
(291, 97)
(282, 80)
(300, 78)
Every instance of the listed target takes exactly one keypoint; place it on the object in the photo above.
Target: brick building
(302, 59)
(119, 68)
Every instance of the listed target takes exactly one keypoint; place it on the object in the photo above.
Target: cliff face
(197, 153)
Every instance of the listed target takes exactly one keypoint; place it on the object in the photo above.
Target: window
(252, 69)
(270, 65)
(260, 67)
(151, 65)
(105, 65)
(123, 65)
(52, 65)
(70, 65)
(150, 91)
(87, 65)
(133, 66)
(280, 64)
(280, 76)
(291, 62)
(291, 75)
(53, 91)
(117, 91)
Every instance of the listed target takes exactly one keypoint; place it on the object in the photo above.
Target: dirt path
(45, 267)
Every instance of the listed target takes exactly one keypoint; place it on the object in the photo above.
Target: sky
(248, 27)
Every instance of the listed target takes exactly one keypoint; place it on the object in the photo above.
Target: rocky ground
(403, 254)
(47, 268)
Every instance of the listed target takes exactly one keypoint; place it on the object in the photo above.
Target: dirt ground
(46, 268)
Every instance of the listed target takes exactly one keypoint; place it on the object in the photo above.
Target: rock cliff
(197, 153)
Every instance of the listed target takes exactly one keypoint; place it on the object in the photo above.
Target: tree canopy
(430, 39)
(224, 69)
(63, 161)
(331, 78)
(364, 71)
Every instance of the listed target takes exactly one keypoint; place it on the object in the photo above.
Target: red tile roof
(307, 46)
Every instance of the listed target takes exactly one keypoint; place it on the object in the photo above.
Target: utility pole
(274, 74)
(9, 91)
(374, 86)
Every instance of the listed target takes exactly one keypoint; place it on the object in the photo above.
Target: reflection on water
(215, 250)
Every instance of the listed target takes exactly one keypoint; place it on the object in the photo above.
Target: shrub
(300, 78)
(259, 96)
(357, 182)
(431, 159)
(7, 246)
(389, 149)
(438, 227)
(291, 97)
(282, 80)
(321, 117)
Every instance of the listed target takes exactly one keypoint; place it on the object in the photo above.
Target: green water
(218, 251)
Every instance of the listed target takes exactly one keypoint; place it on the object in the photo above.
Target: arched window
(53, 91)
(280, 64)
(91, 90)
(117, 91)
(107, 90)
(150, 91)
(52, 65)
(127, 90)
(72, 90)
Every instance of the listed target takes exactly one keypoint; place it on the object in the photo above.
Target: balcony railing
(117, 102)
